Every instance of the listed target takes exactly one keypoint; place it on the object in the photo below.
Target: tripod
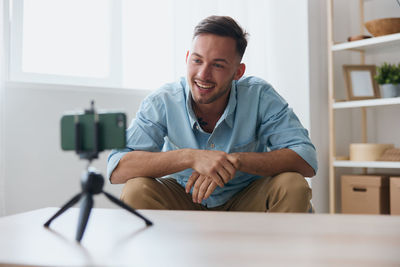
(92, 184)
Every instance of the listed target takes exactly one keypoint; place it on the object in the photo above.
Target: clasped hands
(211, 169)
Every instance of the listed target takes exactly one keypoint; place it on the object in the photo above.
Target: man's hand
(216, 165)
(203, 186)
(220, 165)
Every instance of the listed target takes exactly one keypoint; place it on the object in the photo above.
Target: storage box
(365, 194)
(395, 195)
(368, 152)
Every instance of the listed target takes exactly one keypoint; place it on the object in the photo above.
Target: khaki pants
(286, 192)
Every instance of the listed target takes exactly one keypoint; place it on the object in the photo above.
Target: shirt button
(212, 145)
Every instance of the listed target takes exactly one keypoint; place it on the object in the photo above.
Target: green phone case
(112, 128)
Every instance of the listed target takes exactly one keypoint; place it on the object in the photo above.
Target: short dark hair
(223, 26)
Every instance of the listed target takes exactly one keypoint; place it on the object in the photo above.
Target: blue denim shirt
(256, 119)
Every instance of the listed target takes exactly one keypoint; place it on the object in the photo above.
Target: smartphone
(111, 131)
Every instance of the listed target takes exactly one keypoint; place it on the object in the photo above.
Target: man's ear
(240, 71)
(187, 56)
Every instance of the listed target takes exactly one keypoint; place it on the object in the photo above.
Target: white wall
(2, 79)
(318, 100)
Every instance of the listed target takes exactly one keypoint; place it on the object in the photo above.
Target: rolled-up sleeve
(113, 160)
(146, 132)
(281, 128)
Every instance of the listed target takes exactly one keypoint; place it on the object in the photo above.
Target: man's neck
(208, 114)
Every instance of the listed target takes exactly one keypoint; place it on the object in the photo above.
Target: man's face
(212, 64)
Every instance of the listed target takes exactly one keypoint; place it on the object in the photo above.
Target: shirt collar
(228, 114)
(192, 116)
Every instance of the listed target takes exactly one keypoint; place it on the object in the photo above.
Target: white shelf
(367, 164)
(391, 40)
(367, 103)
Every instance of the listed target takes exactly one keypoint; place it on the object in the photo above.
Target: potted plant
(388, 77)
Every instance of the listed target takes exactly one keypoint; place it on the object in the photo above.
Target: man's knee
(292, 191)
(139, 193)
(292, 182)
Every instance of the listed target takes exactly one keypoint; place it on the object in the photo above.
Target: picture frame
(360, 82)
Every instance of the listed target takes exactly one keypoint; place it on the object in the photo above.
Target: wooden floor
(114, 237)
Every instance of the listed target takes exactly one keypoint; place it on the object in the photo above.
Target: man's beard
(227, 86)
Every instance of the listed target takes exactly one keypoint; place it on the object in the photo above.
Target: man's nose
(205, 72)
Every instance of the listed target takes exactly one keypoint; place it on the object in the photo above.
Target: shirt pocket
(249, 146)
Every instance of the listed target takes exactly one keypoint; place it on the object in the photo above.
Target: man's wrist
(188, 157)
(236, 159)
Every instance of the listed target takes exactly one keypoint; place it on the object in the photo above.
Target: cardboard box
(395, 195)
(365, 194)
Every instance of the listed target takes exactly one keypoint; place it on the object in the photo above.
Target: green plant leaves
(388, 73)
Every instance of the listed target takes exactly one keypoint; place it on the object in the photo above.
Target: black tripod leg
(123, 205)
(86, 207)
(66, 206)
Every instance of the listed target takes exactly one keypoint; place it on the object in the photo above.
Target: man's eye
(196, 61)
(218, 65)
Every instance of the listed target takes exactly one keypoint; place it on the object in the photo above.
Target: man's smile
(204, 85)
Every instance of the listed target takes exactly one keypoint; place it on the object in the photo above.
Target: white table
(188, 238)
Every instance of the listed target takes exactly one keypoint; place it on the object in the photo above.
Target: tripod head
(92, 181)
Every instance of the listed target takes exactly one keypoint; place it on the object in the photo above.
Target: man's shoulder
(259, 90)
(251, 85)
(252, 81)
(170, 89)
(169, 92)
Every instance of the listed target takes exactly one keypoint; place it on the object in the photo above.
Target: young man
(221, 142)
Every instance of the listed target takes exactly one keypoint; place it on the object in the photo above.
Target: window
(65, 41)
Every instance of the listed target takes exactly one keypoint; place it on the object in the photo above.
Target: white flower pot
(390, 90)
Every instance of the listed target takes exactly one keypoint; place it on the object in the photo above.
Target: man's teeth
(204, 85)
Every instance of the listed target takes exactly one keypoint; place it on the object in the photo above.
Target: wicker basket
(379, 27)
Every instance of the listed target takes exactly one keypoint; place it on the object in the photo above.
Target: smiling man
(216, 140)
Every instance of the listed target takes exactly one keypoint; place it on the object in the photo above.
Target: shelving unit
(371, 45)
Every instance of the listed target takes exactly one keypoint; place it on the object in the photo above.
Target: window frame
(16, 74)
